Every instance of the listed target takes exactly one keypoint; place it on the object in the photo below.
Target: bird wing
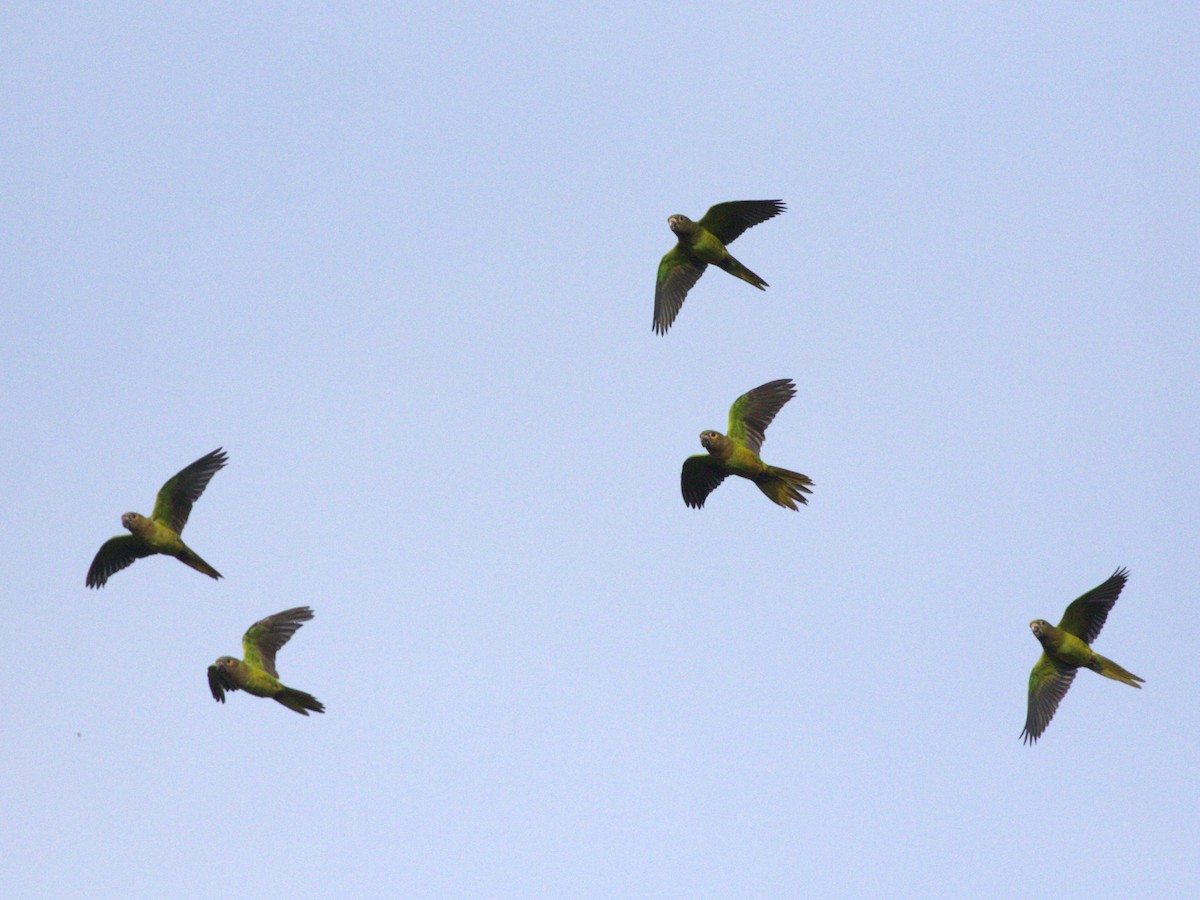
(752, 412)
(114, 555)
(263, 639)
(700, 477)
(219, 683)
(1086, 615)
(727, 221)
(1048, 683)
(175, 499)
(677, 272)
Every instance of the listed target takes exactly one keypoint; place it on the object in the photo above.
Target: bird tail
(735, 268)
(190, 558)
(1110, 669)
(784, 487)
(299, 701)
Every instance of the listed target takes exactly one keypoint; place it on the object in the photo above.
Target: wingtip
(218, 458)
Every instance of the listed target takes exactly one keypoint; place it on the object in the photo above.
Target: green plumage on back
(256, 673)
(701, 244)
(1066, 649)
(737, 452)
(160, 533)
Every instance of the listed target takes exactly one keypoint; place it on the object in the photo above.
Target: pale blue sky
(399, 261)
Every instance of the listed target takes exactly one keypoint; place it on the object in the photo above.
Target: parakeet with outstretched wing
(737, 452)
(1066, 649)
(701, 243)
(160, 533)
(256, 673)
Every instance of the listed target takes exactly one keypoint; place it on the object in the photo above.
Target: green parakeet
(1066, 648)
(737, 452)
(256, 673)
(701, 243)
(160, 533)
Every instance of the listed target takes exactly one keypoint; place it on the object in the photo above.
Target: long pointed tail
(1110, 669)
(299, 701)
(784, 487)
(735, 268)
(189, 558)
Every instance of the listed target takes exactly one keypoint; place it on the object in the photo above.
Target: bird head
(132, 520)
(227, 663)
(678, 223)
(711, 440)
(1039, 627)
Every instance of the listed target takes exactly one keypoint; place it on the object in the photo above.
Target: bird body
(737, 458)
(260, 683)
(160, 533)
(701, 244)
(704, 246)
(256, 674)
(1066, 648)
(158, 538)
(737, 452)
(250, 679)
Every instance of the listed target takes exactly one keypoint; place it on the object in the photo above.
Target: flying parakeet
(737, 452)
(160, 533)
(701, 243)
(1066, 649)
(256, 673)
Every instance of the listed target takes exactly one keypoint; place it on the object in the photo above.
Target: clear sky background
(399, 262)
